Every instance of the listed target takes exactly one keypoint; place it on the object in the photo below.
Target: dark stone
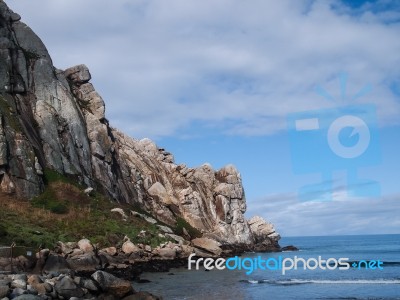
(67, 288)
(106, 297)
(28, 297)
(290, 248)
(84, 262)
(89, 284)
(139, 280)
(17, 292)
(3, 291)
(55, 263)
(111, 284)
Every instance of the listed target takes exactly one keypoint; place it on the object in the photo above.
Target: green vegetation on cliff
(63, 212)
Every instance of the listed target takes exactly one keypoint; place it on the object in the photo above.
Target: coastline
(75, 264)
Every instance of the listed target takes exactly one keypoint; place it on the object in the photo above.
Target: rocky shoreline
(100, 285)
(81, 270)
(52, 275)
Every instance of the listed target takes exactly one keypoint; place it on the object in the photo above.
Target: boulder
(44, 253)
(88, 190)
(186, 251)
(113, 285)
(265, 236)
(142, 234)
(128, 247)
(165, 253)
(121, 212)
(77, 252)
(290, 248)
(144, 217)
(78, 74)
(177, 238)
(3, 291)
(28, 297)
(89, 284)
(33, 279)
(5, 263)
(5, 281)
(19, 283)
(17, 292)
(110, 251)
(55, 263)
(67, 288)
(68, 247)
(85, 245)
(260, 228)
(41, 257)
(208, 245)
(42, 288)
(85, 262)
(202, 253)
(150, 219)
(165, 229)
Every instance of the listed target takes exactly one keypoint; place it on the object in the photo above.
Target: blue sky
(215, 81)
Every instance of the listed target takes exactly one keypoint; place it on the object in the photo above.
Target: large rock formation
(54, 119)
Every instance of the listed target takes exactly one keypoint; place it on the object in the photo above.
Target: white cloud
(161, 65)
(341, 216)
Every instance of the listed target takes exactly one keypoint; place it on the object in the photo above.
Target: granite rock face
(55, 119)
(265, 236)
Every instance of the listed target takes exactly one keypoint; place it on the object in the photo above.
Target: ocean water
(354, 283)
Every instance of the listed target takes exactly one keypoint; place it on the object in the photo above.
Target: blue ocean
(367, 281)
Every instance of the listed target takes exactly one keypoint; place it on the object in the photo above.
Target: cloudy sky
(219, 82)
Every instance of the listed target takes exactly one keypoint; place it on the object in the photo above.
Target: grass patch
(48, 200)
(52, 176)
(65, 213)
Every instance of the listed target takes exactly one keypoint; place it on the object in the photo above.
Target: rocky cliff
(55, 119)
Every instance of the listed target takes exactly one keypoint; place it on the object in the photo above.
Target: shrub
(3, 231)
(47, 200)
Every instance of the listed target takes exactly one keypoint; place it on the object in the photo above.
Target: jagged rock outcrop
(54, 119)
(265, 236)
